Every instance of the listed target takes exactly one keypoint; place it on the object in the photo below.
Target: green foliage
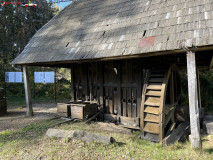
(18, 25)
(206, 88)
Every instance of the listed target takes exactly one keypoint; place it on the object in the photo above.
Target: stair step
(151, 109)
(153, 93)
(156, 80)
(152, 128)
(152, 101)
(154, 86)
(152, 118)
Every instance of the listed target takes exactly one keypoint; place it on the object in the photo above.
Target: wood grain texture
(193, 100)
(72, 84)
(152, 127)
(27, 91)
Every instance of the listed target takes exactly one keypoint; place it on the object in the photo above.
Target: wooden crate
(63, 109)
(83, 110)
(3, 107)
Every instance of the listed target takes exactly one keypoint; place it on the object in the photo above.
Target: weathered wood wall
(116, 85)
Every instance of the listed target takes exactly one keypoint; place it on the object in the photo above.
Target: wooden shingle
(98, 29)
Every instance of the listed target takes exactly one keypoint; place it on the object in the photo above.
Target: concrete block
(208, 124)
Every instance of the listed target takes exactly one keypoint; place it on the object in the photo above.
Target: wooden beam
(193, 100)
(198, 87)
(85, 81)
(72, 84)
(177, 134)
(117, 90)
(101, 74)
(199, 97)
(27, 92)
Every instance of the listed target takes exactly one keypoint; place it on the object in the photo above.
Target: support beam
(27, 92)
(193, 100)
(72, 84)
(101, 74)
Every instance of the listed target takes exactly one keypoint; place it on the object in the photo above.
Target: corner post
(193, 100)
(27, 92)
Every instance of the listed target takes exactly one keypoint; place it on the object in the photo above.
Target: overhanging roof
(97, 29)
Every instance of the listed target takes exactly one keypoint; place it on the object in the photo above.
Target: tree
(17, 25)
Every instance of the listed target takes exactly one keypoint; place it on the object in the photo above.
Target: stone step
(208, 124)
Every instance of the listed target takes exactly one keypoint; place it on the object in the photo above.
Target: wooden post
(101, 74)
(198, 87)
(84, 81)
(55, 85)
(27, 92)
(117, 90)
(193, 100)
(72, 84)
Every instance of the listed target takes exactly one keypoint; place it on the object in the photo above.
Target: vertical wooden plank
(111, 100)
(72, 83)
(139, 91)
(90, 82)
(172, 98)
(124, 102)
(27, 92)
(129, 102)
(134, 102)
(172, 89)
(198, 88)
(176, 85)
(129, 71)
(117, 90)
(193, 100)
(118, 82)
(106, 100)
(101, 79)
(115, 104)
(129, 90)
(90, 92)
(84, 81)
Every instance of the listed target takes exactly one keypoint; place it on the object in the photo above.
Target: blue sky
(63, 4)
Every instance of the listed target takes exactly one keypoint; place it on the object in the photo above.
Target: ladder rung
(151, 109)
(152, 118)
(152, 128)
(153, 93)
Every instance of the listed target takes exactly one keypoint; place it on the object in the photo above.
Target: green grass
(30, 143)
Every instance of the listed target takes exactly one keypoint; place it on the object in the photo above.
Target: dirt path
(15, 117)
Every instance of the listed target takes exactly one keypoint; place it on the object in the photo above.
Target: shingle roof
(92, 29)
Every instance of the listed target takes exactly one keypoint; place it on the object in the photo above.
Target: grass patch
(27, 133)
(29, 143)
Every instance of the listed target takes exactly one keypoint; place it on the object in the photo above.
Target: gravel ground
(16, 116)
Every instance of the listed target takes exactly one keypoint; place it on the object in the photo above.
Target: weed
(30, 142)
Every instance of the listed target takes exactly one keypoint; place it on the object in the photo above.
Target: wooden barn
(125, 56)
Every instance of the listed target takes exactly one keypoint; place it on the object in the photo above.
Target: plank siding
(115, 85)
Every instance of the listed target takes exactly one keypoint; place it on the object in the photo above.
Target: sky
(63, 4)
